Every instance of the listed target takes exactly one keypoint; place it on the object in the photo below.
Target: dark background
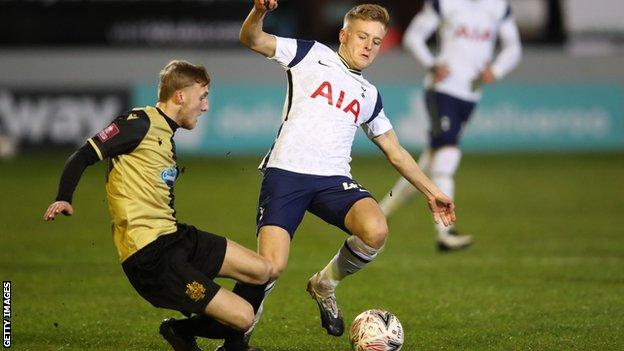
(189, 23)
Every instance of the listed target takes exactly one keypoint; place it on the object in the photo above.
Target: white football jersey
(467, 30)
(325, 103)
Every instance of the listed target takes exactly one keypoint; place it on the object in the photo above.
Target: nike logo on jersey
(325, 91)
(323, 64)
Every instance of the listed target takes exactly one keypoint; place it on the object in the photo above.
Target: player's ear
(342, 35)
(179, 97)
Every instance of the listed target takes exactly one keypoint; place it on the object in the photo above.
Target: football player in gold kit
(170, 264)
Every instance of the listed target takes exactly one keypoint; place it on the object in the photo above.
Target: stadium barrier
(244, 118)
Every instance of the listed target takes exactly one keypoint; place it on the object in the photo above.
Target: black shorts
(176, 270)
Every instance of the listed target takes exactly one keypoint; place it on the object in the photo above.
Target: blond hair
(368, 12)
(179, 74)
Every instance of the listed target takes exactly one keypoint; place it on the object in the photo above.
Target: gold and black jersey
(142, 170)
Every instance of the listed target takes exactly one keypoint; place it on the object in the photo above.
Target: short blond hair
(179, 74)
(368, 12)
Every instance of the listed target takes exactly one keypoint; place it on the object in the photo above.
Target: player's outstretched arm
(72, 172)
(251, 33)
(441, 206)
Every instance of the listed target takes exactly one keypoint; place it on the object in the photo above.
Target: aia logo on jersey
(169, 175)
(108, 132)
(475, 34)
(325, 91)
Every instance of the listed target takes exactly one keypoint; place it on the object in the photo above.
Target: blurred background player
(171, 265)
(307, 167)
(467, 34)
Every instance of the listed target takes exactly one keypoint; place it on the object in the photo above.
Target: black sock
(254, 294)
(202, 326)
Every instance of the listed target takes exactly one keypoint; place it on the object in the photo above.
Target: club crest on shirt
(108, 132)
(196, 291)
(169, 175)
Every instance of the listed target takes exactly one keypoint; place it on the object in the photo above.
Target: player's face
(195, 103)
(360, 42)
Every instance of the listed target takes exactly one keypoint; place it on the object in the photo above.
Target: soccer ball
(376, 330)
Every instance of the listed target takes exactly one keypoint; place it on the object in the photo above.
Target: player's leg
(252, 272)
(274, 246)
(163, 274)
(282, 205)
(244, 265)
(448, 119)
(369, 228)
(226, 312)
(191, 264)
(160, 273)
(402, 191)
(351, 208)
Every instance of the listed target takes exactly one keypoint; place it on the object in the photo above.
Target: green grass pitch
(546, 271)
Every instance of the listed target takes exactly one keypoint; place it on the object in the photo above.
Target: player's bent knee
(378, 239)
(248, 320)
(375, 234)
(265, 272)
(244, 318)
(379, 233)
(261, 273)
(276, 271)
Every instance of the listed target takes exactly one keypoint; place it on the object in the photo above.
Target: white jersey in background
(467, 30)
(325, 103)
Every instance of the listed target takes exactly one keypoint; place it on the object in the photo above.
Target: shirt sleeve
(289, 52)
(419, 30)
(122, 136)
(72, 172)
(377, 126)
(511, 48)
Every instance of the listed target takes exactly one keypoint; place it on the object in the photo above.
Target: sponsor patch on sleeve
(108, 132)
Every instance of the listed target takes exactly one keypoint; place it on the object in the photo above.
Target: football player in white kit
(468, 30)
(307, 168)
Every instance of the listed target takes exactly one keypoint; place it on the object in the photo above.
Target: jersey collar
(351, 69)
(172, 124)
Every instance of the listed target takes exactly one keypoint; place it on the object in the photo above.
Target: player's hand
(440, 72)
(57, 207)
(487, 75)
(265, 5)
(443, 209)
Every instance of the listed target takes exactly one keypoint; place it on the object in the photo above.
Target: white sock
(352, 256)
(403, 191)
(443, 166)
